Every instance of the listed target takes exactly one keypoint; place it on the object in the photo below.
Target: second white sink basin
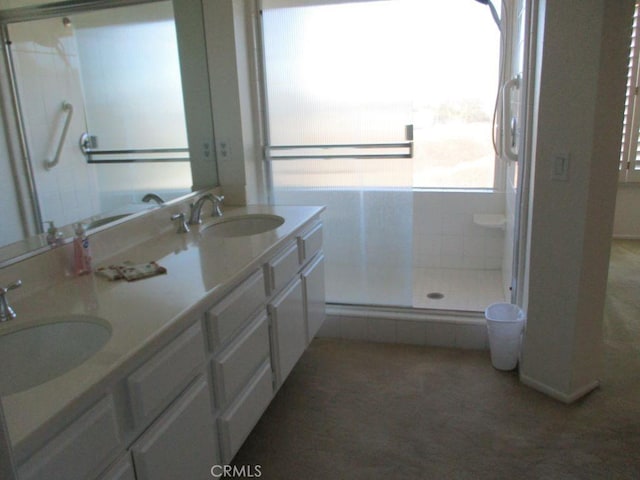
(244, 225)
(34, 353)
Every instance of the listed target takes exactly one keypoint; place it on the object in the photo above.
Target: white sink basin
(34, 353)
(245, 225)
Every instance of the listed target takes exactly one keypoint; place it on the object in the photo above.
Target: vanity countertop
(144, 314)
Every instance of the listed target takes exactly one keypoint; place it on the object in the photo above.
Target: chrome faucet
(152, 196)
(196, 208)
(182, 224)
(6, 312)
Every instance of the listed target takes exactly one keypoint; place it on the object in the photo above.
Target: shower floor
(465, 290)
(469, 290)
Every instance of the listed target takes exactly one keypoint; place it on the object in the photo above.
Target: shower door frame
(500, 169)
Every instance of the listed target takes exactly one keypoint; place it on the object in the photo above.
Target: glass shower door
(340, 135)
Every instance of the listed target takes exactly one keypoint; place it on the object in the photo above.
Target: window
(630, 153)
(358, 73)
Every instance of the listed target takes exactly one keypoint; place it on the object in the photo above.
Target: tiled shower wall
(444, 235)
(47, 67)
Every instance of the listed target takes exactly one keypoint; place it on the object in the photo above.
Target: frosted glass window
(131, 77)
(359, 72)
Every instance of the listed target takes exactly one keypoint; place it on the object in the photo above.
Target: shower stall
(389, 114)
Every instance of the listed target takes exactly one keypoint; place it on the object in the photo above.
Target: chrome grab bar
(509, 134)
(68, 108)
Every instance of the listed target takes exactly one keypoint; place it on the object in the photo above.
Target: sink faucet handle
(182, 224)
(6, 312)
(217, 201)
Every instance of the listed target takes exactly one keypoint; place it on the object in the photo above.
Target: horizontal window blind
(630, 152)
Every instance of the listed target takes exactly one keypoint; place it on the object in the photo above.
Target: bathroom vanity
(194, 356)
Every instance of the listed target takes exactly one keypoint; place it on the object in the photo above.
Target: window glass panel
(358, 73)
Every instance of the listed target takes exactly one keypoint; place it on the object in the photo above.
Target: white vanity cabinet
(189, 402)
(183, 442)
(258, 332)
(298, 310)
(238, 331)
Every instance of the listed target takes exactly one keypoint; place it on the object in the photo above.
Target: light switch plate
(560, 167)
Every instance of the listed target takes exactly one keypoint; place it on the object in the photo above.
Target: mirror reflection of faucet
(152, 196)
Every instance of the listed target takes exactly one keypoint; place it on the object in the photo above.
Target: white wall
(582, 50)
(231, 49)
(627, 218)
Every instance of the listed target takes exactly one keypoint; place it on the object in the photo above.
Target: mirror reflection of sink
(34, 353)
(244, 225)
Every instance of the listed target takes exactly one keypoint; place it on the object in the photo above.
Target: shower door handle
(509, 141)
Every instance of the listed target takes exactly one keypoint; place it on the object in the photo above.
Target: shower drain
(435, 295)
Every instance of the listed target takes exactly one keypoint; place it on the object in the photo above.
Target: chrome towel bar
(343, 150)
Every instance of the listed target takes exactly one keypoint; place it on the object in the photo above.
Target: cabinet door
(182, 443)
(314, 300)
(289, 329)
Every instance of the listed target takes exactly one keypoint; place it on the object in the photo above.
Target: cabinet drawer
(158, 381)
(239, 361)
(182, 443)
(238, 421)
(235, 309)
(80, 451)
(283, 268)
(310, 243)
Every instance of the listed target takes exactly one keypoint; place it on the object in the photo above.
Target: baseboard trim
(553, 393)
(466, 330)
(626, 237)
(458, 317)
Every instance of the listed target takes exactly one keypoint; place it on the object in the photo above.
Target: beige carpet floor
(355, 410)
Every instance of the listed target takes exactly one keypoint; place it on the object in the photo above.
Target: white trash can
(505, 322)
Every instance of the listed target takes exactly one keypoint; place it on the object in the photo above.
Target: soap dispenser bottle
(81, 251)
(54, 236)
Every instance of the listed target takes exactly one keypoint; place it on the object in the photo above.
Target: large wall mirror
(98, 108)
